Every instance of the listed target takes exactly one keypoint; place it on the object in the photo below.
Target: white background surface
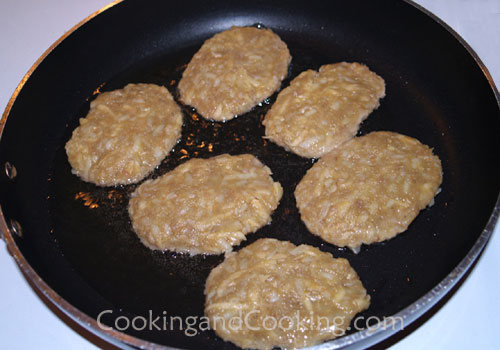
(29, 27)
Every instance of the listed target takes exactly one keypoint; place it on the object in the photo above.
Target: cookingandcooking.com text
(192, 325)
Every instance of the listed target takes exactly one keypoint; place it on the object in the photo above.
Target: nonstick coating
(78, 236)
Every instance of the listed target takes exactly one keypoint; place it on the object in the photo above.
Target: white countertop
(28, 27)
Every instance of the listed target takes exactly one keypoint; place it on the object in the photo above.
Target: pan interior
(78, 236)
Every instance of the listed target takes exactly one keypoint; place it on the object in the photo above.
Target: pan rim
(408, 314)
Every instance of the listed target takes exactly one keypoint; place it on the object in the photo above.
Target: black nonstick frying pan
(77, 237)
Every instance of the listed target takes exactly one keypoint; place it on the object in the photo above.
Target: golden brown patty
(321, 110)
(233, 71)
(125, 135)
(284, 295)
(368, 190)
(205, 205)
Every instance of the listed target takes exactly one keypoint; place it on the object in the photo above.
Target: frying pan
(90, 258)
